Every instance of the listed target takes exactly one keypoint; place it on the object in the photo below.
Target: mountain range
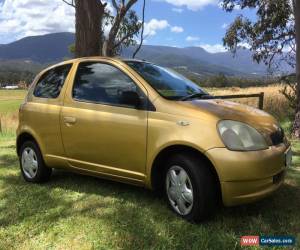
(50, 48)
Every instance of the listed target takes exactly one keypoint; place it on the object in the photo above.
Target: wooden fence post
(261, 100)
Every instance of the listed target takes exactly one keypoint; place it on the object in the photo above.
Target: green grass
(81, 212)
(10, 100)
(9, 106)
(12, 94)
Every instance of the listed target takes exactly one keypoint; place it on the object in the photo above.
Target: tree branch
(129, 5)
(142, 32)
(124, 38)
(115, 5)
(69, 3)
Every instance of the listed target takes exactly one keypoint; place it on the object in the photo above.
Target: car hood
(227, 110)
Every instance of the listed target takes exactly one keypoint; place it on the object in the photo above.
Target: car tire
(32, 165)
(190, 187)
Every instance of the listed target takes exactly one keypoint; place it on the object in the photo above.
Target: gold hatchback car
(135, 122)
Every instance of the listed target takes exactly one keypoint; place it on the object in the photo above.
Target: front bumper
(248, 176)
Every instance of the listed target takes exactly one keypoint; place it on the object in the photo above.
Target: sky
(179, 23)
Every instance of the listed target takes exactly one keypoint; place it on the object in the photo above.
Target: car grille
(277, 137)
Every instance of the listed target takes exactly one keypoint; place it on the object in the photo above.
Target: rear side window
(51, 82)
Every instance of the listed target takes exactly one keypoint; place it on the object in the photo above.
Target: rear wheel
(190, 187)
(32, 164)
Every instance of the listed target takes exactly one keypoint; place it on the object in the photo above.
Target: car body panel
(243, 192)
(247, 166)
(228, 110)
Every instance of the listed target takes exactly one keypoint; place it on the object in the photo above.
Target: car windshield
(166, 82)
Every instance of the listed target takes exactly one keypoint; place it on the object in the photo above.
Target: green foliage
(221, 80)
(12, 72)
(130, 28)
(270, 35)
(71, 48)
(14, 77)
(127, 32)
(290, 89)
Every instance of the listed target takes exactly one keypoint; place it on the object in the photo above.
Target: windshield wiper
(196, 95)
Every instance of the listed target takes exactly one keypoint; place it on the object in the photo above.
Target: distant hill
(194, 61)
(42, 49)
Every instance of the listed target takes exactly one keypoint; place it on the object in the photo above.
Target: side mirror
(131, 98)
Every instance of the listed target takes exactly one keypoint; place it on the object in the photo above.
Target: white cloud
(192, 4)
(177, 29)
(217, 48)
(35, 17)
(224, 25)
(19, 19)
(154, 25)
(244, 45)
(236, 7)
(178, 10)
(213, 48)
(8, 25)
(192, 38)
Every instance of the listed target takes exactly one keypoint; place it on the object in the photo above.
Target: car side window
(103, 83)
(50, 83)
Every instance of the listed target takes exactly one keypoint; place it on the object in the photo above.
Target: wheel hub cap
(29, 163)
(179, 190)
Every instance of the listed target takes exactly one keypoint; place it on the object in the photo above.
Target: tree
(89, 15)
(296, 125)
(115, 38)
(274, 35)
(93, 19)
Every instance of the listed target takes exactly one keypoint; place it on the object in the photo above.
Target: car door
(100, 132)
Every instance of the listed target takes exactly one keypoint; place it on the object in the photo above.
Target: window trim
(147, 107)
(47, 71)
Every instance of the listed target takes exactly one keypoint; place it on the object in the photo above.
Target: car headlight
(239, 136)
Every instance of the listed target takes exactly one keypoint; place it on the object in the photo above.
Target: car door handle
(69, 120)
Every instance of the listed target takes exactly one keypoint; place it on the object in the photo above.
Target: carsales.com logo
(267, 240)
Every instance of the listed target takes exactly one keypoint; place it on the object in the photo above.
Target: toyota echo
(136, 122)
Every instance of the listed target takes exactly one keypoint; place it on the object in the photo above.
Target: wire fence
(256, 100)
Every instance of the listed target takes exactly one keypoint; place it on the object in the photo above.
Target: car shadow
(137, 212)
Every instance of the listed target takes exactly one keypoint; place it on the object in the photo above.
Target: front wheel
(190, 188)
(32, 164)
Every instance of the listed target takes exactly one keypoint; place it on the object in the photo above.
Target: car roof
(82, 59)
(101, 57)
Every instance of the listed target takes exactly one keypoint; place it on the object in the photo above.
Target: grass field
(274, 102)
(80, 212)
(10, 101)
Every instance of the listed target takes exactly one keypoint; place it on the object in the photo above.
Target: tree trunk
(296, 125)
(88, 38)
(110, 43)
